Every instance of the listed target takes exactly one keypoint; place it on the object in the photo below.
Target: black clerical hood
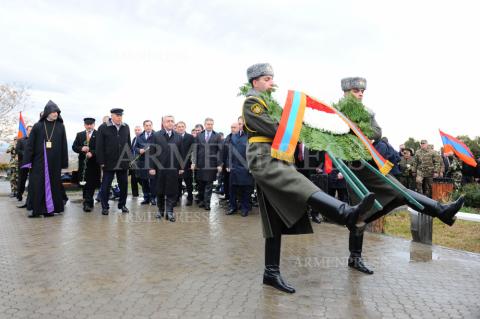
(50, 108)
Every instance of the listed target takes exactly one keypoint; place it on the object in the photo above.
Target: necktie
(207, 136)
(300, 152)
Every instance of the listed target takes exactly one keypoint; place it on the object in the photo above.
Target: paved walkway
(208, 265)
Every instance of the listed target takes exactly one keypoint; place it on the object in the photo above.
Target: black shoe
(145, 202)
(124, 209)
(244, 213)
(207, 207)
(316, 218)
(19, 198)
(231, 212)
(201, 204)
(159, 215)
(48, 215)
(171, 216)
(32, 215)
(357, 263)
(272, 277)
(189, 202)
(22, 206)
(104, 211)
(153, 202)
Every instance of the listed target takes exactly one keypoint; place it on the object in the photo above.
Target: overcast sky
(187, 58)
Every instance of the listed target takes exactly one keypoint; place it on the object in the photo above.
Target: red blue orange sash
(288, 132)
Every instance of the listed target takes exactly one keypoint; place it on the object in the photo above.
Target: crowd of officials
(168, 163)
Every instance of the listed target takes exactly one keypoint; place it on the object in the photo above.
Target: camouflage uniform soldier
(455, 170)
(426, 168)
(13, 165)
(406, 165)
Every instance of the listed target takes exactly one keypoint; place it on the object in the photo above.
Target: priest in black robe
(47, 154)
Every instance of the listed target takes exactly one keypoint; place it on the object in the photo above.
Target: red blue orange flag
(22, 129)
(459, 148)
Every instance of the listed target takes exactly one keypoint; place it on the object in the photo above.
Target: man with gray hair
(207, 159)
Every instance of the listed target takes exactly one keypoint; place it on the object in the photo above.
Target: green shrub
(472, 194)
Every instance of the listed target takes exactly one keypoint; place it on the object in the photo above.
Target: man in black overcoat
(207, 159)
(163, 159)
(88, 169)
(114, 156)
(186, 163)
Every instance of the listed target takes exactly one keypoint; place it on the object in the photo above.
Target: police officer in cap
(114, 156)
(88, 168)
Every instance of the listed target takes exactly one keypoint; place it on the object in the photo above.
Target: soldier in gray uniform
(283, 193)
(386, 195)
(426, 167)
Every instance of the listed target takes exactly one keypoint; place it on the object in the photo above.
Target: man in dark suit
(240, 180)
(88, 168)
(146, 180)
(114, 156)
(163, 158)
(22, 172)
(207, 159)
(134, 181)
(187, 176)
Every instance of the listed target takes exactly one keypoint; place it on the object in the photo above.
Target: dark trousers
(88, 192)
(340, 192)
(148, 188)
(134, 183)
(226, 184)
(187, 176)
(205, 192)
(245, 192)
(166, 202)
(122, 179)
(22, 180)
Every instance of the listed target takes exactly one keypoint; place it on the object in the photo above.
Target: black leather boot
(271, 275)
(444, 212)
(355, 244)
(340, 212)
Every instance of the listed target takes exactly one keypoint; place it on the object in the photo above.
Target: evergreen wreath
(345, 146)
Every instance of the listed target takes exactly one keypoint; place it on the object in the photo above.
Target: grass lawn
(463, 235)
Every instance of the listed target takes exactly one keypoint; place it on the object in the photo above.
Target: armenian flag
(22, 128)
(458, 147)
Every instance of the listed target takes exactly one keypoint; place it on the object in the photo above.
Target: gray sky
(188, 58)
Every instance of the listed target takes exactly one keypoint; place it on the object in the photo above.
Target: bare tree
(14, 98)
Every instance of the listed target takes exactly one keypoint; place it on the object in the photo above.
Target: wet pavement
(208, 265)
